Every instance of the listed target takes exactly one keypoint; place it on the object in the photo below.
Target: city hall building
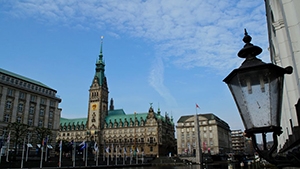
(149, 132)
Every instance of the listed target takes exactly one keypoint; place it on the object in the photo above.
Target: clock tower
(98, 100)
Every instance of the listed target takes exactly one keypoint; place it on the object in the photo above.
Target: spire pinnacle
(101, 54)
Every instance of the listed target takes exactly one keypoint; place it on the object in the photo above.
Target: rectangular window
(10, 92)
(22, 95)
(33, 98)
(182, 145)
(19, 119)
(20, 107)
(51, 114)
(6, 117)
(43, 101)
(49, 125)
(40, 123)
(52, 103)
(151, 140)
(42, 111)
(8, 104)
(30, 122)
(31, 110)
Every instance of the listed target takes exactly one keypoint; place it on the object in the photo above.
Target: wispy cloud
(156, 80)
(185, 33)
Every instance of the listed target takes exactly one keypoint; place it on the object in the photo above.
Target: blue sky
(171, 53)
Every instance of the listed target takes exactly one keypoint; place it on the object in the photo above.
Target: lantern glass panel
(257, 95)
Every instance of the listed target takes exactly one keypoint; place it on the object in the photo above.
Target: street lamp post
(257, 89)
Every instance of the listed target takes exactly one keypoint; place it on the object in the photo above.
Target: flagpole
(60, 152)
(107, 151)
(27, 150)
(46, 155)
(23, 153)
(97, 155)
(199, 152)
(130, 156)
(8, 142)
(83, 154)
(42, 151)
(137, 157)
(116, 155)
(124, 155)
(103, 157)
(112, 152)
(86, 153)
(74, 153)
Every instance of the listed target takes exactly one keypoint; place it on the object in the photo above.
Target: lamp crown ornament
(257, 89)
(249, 51)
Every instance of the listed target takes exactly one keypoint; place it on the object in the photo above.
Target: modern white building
(283, 20)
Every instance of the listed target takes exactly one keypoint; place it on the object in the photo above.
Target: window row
(210, 128)
(124, 124)
(72, 127)
(29, 122)
(33, 98)
(131, 140)
(31, 110)
(27, 85)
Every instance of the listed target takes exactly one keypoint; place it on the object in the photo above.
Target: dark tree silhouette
(18, 132)
(43, 133)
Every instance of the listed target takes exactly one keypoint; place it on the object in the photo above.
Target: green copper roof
(24, 78)
(119, 114)
(100, 66)
(77, 121)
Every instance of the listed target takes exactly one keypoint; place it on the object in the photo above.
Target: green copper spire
(100, 66)
(101, 54)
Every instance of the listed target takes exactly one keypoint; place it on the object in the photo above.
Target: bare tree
(42, 133)
(18, 132)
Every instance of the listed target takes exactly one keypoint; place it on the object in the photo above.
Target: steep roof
(182, 119)
(119, 114)
(76, 121)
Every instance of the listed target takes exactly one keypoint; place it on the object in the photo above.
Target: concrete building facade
(283, 20)
(29, 102)
(238, 141)
(214, 135)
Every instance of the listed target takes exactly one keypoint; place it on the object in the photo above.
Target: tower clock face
(94, 106)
